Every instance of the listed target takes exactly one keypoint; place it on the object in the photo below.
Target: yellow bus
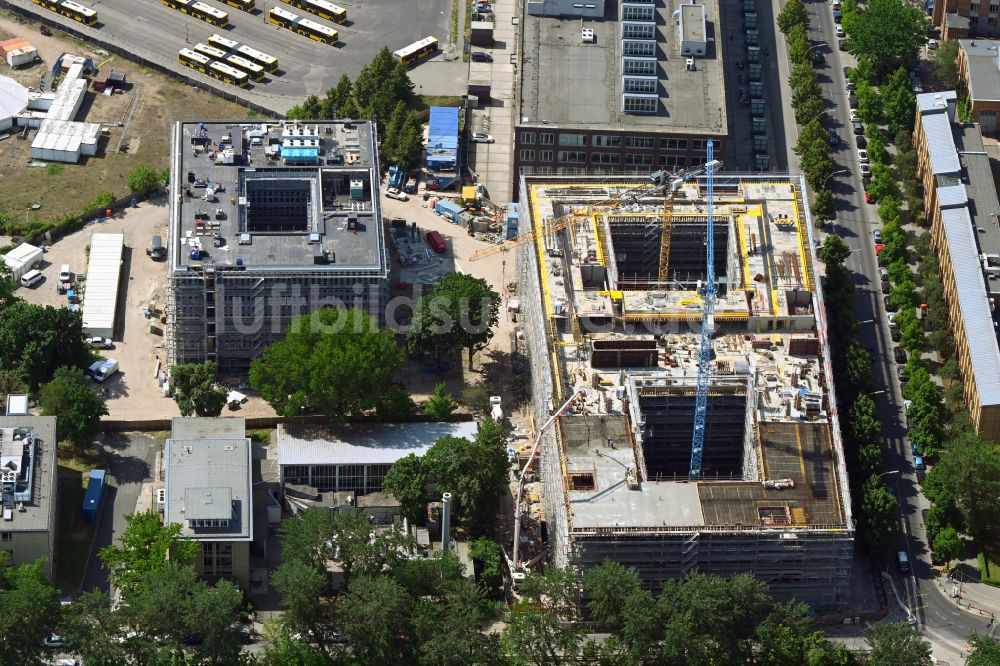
(268, 62)
(317, 31)
(322, 9)
(245, 5)
(282, 17)
(194, 60)
(228, 74)
(73, 10)
(222, 43)
(200, 10)
(255, 71)
(417, 51)
(210, 51)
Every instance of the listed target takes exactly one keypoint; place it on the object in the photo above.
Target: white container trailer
(101, 296)
(22, 259)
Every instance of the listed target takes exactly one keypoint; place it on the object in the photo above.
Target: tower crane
(707, 321)
(677, 181)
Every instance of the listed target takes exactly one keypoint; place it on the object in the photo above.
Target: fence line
(258, 422)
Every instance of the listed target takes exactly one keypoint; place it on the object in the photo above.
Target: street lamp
(839, 172)
(874, 393)
(893, 471)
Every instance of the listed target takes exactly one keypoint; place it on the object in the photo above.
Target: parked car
(899, 355)
(894, 332)
(854, 115)
(840, 31)
(479, 56)
(869, 199)
(53, 641)
(818, 58)
(903, 562)
(861, 141)
(65, 274)
(834, 137)
(866, 171)
(394, 193)
(863, 156)
(842, 44)
(852, 101)
(932, 44)
(889, 307)
(857, 127)
(837, 16)
(478, 137)
(877, 235)
(850, 85)
(901, 372)
(100, 343)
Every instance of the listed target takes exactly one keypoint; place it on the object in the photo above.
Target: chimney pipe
(446, 521)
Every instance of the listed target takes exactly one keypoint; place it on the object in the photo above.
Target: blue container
(94, 497)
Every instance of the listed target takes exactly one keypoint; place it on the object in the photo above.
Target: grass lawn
(989, 571)
(425, 102)
(75, 537)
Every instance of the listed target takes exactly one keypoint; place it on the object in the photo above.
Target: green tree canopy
(896, 644)
(947, 545)
(887, 34)
(196, 390)
(77, 408)
(834, 250)
(609, 586)
(35, 340)
(945, 61)
(29, 609)
(145, 543)
(899, 101)
(440, 406)
(880, 509)
(406, 481)
(791, 15)
(969, 472)
(336, 361)
(985, 651)
(144, 180)
(7, 285)
(375, 616)
(462, 311)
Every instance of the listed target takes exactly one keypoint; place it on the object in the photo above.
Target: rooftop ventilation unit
(689, 64)
(587, 36)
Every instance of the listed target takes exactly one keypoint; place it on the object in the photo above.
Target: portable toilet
(357, 188)
(94, 497)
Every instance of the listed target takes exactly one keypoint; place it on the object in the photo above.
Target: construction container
(449, 209)
(94, 497)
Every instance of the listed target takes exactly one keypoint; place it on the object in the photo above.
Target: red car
(868, 198)
(878, 248)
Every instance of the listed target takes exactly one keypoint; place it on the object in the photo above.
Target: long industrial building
(269, 222)
(611, 314)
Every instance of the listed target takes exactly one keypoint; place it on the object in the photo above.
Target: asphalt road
(937, 617)
(130, 459)
(305, 67)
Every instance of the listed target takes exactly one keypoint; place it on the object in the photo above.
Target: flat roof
(37, 513)
(984, 71)
(209, 477)
(100, 300)
(363, 444)
(940, 144)
(338, 228)
(569, 84)
(980, 189)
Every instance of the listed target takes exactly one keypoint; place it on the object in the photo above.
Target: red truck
(437, 242)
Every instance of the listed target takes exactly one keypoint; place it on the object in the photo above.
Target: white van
(31, 278)
(65, 274)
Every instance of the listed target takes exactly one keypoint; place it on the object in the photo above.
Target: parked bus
(322, 9)
(73, 10)
(210, 51)
(194, 60)
(200, 10)
(245, 5)
(317, 31)
(282, 17)
(228, 74)
(268, 62)
(255, 71)
(417, 51)
(222, 43)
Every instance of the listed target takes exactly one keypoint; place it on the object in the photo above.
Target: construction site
(685, 417)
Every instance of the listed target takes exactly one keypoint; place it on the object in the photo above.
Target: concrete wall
(241, 562)
(26, 547)
(978, 14)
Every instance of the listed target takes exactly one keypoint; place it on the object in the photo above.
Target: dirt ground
(161, 101)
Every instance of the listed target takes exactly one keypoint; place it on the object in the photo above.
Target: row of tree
(813, 144)
(382, 92)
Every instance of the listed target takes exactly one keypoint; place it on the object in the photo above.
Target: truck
(397, 176)
(94, 496)
(101, 370)
(437, 242)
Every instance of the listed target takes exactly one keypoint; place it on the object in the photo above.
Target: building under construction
(611, 306)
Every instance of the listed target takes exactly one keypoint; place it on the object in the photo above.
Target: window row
(603, 159)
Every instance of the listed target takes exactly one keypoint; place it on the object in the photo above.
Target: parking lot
(150, 29)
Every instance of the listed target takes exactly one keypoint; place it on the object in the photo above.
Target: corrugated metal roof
(951, 196)
(442, 129)
(973, 304)
(941, 144)
(935, 100)
(103, 272)
(363, 444)
(984, 73)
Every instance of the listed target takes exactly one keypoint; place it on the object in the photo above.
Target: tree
(858, 368)
(609, 585)
(310, 109)
(824, 207)
(541, 628)
(887, 34)
(898, 97)
(834, 250)
(77, 408)
(945, 61)
(337, 97)
(476, 398)
(485, 552)
(7, 285)
(869, 103)
(798, 44)
(363, 552)
(406, 481)
(452, 631)
(101, 200)
(303, 591)
(878, 153)
(440, 406)
(90, 630)
(461, 312)
(880, 509)
(282, 647)
(865, 423)
(29, 608)
(475, 472)
(36, 340)
(196, 390)
(882, 184)
(947, 545)
(791, 15)
(304, 538)
(985, 649)
(10, 383)
(969, 471)
(145, 544)
(144, 180)
(895, 644)
(375, 616)
(336, 361)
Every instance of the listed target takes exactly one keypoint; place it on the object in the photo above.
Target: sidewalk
(964, 589)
